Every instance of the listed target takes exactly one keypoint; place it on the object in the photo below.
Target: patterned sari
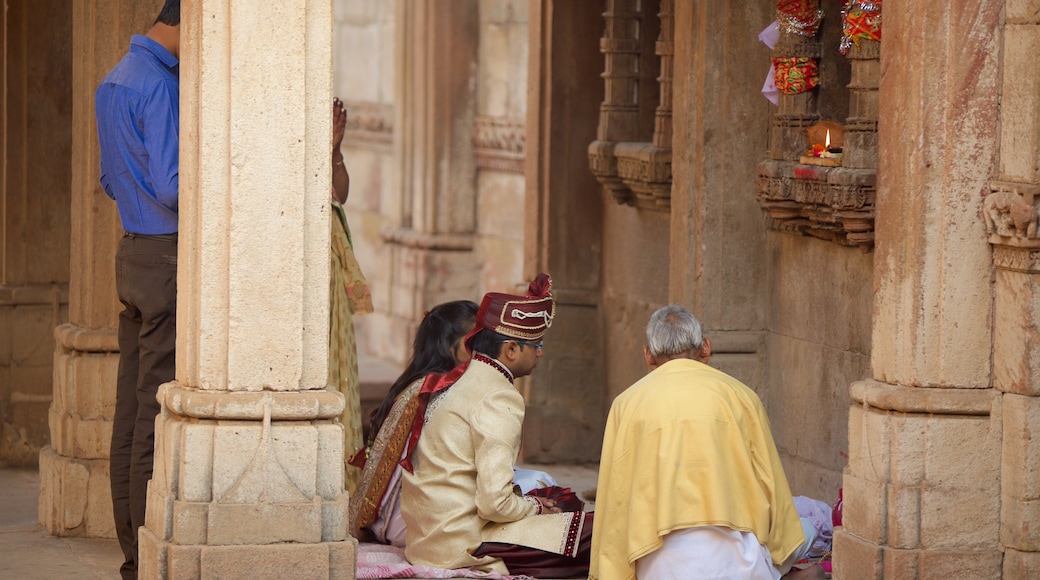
(382, 461)
(348, 295)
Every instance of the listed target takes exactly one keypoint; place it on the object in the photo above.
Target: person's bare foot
(814, 572)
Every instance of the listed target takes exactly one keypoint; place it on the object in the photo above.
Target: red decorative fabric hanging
(799, 16)
(862, 22)
(796, 74)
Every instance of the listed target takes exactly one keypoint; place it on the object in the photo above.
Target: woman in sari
(348, 295)
(438, 348)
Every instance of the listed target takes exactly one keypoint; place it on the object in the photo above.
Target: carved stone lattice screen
(632, 155)
(831, 203)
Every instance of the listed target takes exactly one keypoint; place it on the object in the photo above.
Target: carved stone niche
(831, 203)
(1010, 212)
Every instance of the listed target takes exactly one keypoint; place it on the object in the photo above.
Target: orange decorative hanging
(796, 74)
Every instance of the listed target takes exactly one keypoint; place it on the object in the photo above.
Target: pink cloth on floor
(382, 561)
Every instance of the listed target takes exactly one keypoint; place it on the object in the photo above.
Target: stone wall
(637, 252)
(818, 316)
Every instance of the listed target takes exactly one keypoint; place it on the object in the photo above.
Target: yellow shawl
(688, 446)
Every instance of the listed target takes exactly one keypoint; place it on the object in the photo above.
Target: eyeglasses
(536, 345)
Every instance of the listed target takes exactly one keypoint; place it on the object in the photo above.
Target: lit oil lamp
(823, 154)
(828, 151)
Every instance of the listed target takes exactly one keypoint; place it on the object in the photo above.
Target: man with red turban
(458, 500)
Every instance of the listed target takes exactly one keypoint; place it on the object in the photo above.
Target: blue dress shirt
(138, 122)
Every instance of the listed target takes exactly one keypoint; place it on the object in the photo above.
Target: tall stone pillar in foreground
(75, 497)
(923, 484)
(248, 479)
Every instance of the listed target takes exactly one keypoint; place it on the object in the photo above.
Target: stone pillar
(75, 498)
(564, 212)
(712, 226)
(1010, 212)
(431, 241)
(34, 220)
(248, 479)
(922, 487)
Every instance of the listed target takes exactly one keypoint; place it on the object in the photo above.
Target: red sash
(434, 383)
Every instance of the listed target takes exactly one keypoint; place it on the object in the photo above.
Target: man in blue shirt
(138, 121)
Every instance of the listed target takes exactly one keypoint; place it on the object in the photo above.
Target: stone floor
(28, 552)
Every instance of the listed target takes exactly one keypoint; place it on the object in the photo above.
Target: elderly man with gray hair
(690, 481)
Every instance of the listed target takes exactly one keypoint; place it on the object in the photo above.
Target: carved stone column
(646, 168)
(619, 114)
(248, 478)
(923, 483)
(1010, 212)
(431, 240)
(565, 423)
(75, 498)
(795, 113)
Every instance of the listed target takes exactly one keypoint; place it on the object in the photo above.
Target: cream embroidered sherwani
(461, 491)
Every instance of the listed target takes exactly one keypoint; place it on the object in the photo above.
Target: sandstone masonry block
(901, 564)
(74, 478)
(329, 484)
(88, 439)
(236, 524)
(944, 565)
(909, 438)
(869, 441)
(960, 519)
(277, 562)
(196, 466)
(964, 452)
(1020, 524)
(334, 519)
(158, 511)
(295, 445)
(904, 518)
(151, 556)
(1022, 9)
(343, 559)
(184, 561)
(865, 508)
(1019, 102)
(1020, 471)
(190, 521)
(98, 515)
(1021, 564)
(855, 558)
(236, 446)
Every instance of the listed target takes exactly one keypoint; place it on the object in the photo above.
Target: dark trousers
(146, 281)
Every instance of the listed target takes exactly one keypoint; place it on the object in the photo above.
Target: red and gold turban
(521, 317)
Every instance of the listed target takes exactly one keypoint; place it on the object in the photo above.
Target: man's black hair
(171, 13)
(488, 342)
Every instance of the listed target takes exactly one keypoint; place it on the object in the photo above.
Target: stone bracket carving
(499, 144)
(831, 203)
(637, 174)
(1010, 212)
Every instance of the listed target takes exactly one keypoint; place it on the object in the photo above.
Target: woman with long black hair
(438, 348)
